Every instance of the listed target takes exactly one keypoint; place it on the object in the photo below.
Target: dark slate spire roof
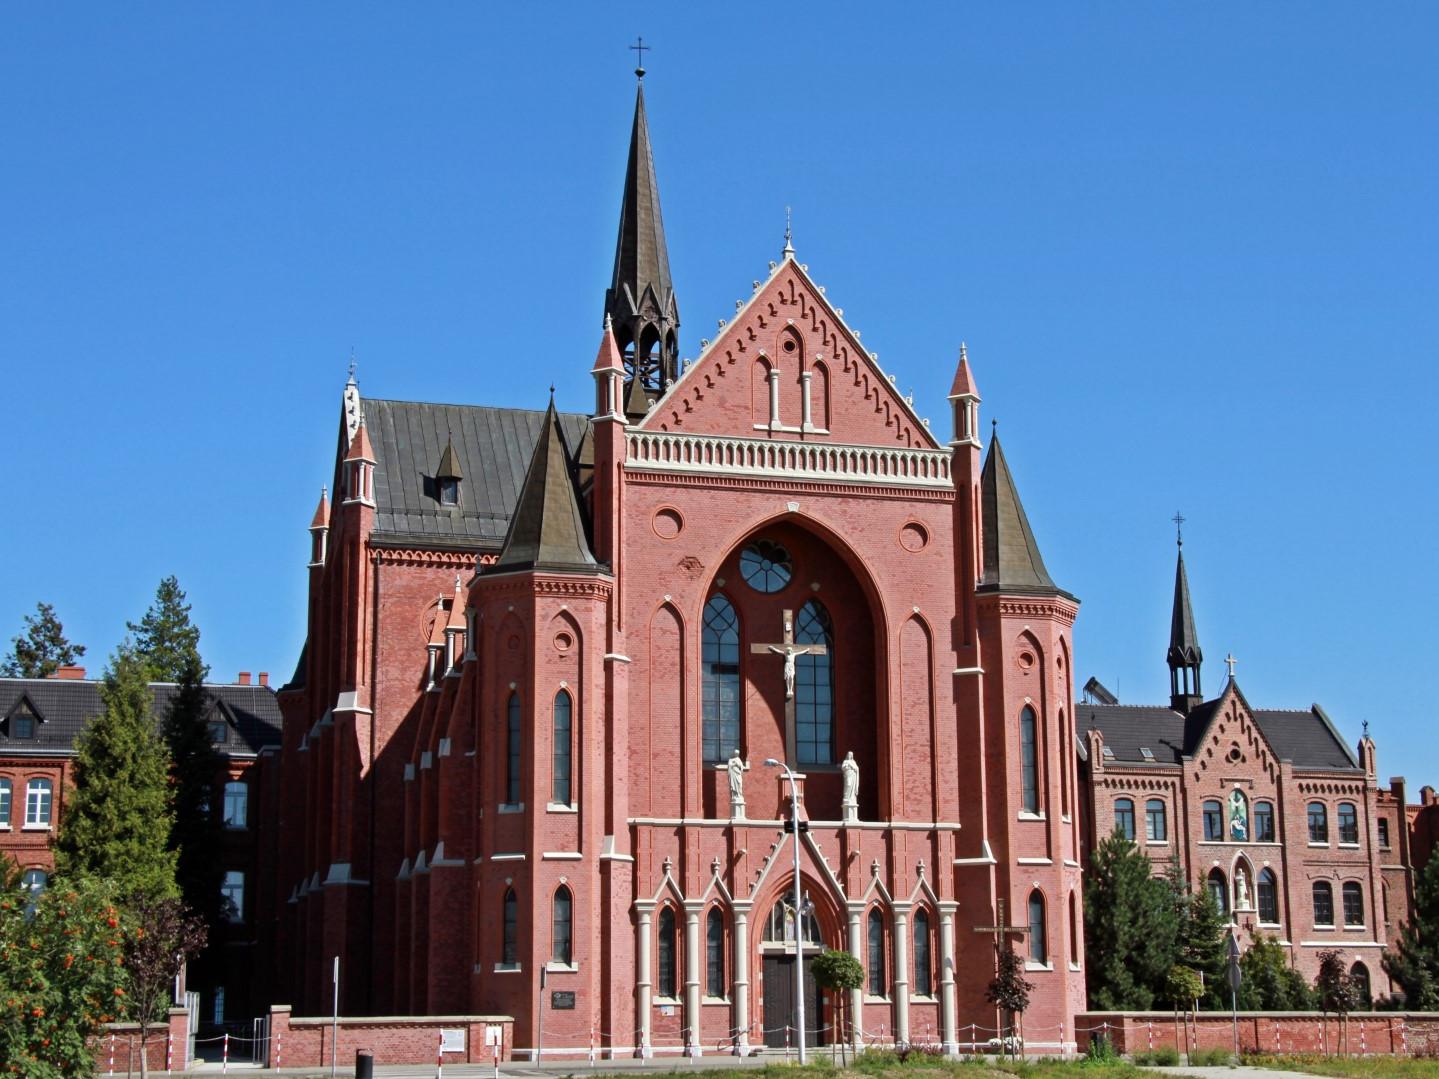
(1012, 562)
(641, 257)
(547, 531)
(1183, 639)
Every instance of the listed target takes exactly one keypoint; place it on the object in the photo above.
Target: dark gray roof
(1307, 739)
(1012, 562)
(548, 528)
(1184, 647)
(493, 447)
(642, 261)
(66, 705)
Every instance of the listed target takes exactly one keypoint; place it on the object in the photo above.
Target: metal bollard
(364, 1065)
(225, 1068)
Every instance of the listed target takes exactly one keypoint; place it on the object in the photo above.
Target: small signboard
(562, 1000)
(452, 1041)
(494, 1036)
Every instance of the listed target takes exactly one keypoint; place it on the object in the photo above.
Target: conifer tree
(42, 648)
(197, 834)
(1202, 946)
(1130, 928)
(165, 638)
(117, 825)
(1414, 962)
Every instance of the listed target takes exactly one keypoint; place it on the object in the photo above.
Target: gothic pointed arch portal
(809, 669)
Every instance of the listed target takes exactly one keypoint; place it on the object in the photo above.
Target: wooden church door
(779, 1004)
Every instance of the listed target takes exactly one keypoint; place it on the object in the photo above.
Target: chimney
(264, 678)
(70, 674)
(244, 678)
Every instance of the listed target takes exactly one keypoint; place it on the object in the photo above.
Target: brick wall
(308, 1042)
(117, 1049)
(1401, 1034)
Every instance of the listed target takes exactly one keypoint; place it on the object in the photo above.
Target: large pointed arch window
(562, 932)
(512, 750)
(814, 686)
(714, 953)
(560, 762)
(668, 977)
(510, 941)
(923, 979)
(719, 658)
(1029, 762)
(1038, 930)
(876, 953)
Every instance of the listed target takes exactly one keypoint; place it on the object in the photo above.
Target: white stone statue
(849, 768)
(789, 651)
(1241, 889)
(736, 768)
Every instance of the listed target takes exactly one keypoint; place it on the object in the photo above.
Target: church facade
(568, 677)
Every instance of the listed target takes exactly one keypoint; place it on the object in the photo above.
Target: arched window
(1318, 823)
(1268, 897)
(1156, 822)
(5, 802)
(1038, 939)
(1323, 903)
(720, 689)
(1359, 977)
(512, 750)
(560, 785)
(1263, 822)
(779, 928)
(1029, 762)
(1348, 824)
(1353, 893)
(37, 802)
(814, 687)
(668, 981)
(1213, 821)
(237, 804)
(1073, 930)
(1124, 817)
(714, 953)
(1219, 890)
(923, 979)
(562, 934)
(876, 953)
(510, 946)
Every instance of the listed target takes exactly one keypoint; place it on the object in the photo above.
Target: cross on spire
(640, 48)
(1230, 661)
(1179, 520)
(788, 251)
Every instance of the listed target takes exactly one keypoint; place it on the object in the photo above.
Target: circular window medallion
(1026, 660)
(765, 566)
(668, 524)
(563, 641)
(1234, 755)
(913, 537)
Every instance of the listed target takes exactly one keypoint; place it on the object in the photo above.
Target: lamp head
(770, 762)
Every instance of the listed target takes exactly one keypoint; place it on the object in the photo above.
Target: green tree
(1269, 983)
(197, 835)
(1130, 928)
(165, 934)
(840, 973)
(117, 825)
(165, 638)
(42, 648)
(1336, 991)
(1414, 962)
(1202, 945)
(61, 975)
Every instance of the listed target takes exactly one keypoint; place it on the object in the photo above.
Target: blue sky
(1191, 249)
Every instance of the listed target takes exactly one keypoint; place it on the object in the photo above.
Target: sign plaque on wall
(562, 1000)
(452, 1041)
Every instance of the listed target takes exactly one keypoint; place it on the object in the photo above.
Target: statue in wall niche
(849, 769)
(1241, 889)
(736, 769)
(1238, 816)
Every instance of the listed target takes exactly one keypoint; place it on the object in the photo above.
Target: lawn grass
(1376, 1067)
(886, 1065)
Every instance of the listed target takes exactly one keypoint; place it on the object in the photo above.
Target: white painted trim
(969, 670)
(513, 856)
(1035, 861)
(561, 856)
(617, 658)
(1347, 943)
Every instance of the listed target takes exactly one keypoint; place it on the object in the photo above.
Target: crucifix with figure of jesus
(789, 650)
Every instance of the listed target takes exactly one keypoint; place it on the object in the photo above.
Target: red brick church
(550, 655)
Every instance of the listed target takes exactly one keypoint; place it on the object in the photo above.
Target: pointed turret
(1012, 562)
(547, 531)
(964, 400)
(1185, 655)
(360, 468)
(641, 298)
(322, 511)
(320, 530)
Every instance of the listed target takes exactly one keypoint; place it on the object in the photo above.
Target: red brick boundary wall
(1388, 1033)
(405, 1039)
(120, 1043)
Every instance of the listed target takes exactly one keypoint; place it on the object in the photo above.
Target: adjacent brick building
(549, 656)
(40, 720)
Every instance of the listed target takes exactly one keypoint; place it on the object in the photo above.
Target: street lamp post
(798, 905)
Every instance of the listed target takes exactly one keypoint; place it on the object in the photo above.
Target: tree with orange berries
(62, 974)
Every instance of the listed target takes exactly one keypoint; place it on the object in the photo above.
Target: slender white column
(645, 911)
(806, 407)
(774, 398)
(856, 996)
(741, 978)
(901, 973)
(946, 977)
(692, 978)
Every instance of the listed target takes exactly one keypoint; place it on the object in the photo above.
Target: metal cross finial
(1178, 520)
(640, 49)
(352, 363)
(1366, 728)
(1230, 661)
(788, 236)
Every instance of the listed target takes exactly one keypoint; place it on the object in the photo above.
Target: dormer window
(449, 492)
(219, 727)
(448, 475)
(20, 723)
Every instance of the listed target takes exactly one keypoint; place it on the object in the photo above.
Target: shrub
(1101, 1049)
(1211, 1058)
(1167, 1057)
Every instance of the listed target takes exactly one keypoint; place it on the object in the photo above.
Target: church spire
(547, 531)
(641, 300)
(1185, 655)
(1012, 562)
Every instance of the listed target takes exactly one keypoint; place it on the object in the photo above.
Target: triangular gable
(1230, 707)
(727, 390)
(26, 707)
